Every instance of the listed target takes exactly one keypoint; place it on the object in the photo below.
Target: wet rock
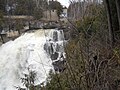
(54, 56)
(59, 65)
(48, 47)
(55, 36)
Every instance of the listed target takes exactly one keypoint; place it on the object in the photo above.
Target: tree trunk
(118, 10)
(110, 23)
(50, 15)
(2, 38)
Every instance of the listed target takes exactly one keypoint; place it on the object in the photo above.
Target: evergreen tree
(56, 5)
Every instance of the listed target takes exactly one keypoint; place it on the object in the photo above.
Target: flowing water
(29, 52)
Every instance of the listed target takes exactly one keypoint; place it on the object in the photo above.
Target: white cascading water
(23, 54)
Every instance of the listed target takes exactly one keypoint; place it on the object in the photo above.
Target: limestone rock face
(54, 47)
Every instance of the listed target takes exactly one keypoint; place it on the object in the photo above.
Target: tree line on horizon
(29, 7)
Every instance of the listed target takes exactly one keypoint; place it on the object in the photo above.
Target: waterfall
(30, 52)
(54, 47)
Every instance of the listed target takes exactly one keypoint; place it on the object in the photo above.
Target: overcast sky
(64, 2)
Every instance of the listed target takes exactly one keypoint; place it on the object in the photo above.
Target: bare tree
(111, 33)
(118, 10)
